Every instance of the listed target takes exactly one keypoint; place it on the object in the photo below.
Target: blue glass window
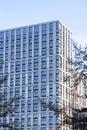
(12, 34)
(44, 28)
(51, 27)
(36, 30)
(24, 32)
(1, 36)
(18, 34)
(44, 76)
(30, 31)
(43, 90)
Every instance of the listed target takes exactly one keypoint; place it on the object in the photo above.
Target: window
(30, 50)
(35, 128)
(30, 31)
(51, 37)
(51, 27)
(51, 90)
(35, 119)
(43, 118)
(50, 128)
(35, 90)
(50, 75)
(11, 80)
(35, 105)
(43, 106)
(17, 66)
(18, 33)
(12, 67)
(58, 75)
(12, 35)
(36, 52)
(17, 79)
(1, 36)
(22, 120)
(36, 49)
(23, 106)
(29, 77)
(36, 30)
(23, 92)
(18, 48)
(44, 48)
(11, 93)
(24, 65)
(44, 38)
(17, 106)
(24, 48)
(6, 51)
(6, 67)
(29, 91)
(5, 94)
(12, 49)
(18, 55)
(29, 119)
(51, 61)
(29, 64)
(36, 63)
(50, 118)
(50, 47)
(43, 128)
(17, 92)
(43, 90)
(44, 28)
(7, 35)
(36, 40)
(58, 89)
(36, 77)
(16, 124)
(29, 106)
(18, 42)
(57, 26)
(44, 76)
(44, 62)
(24, 32)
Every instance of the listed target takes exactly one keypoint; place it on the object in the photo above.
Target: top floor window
(24, 32)
(1, 36)
(7, 35)
(18, 33)
(44, 28)
(12, 34)
(36, 30)
(51, 27)
(30, 31)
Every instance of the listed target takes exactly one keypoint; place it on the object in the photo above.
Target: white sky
(73, 13)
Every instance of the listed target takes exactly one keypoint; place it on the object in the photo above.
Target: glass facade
(35, 59)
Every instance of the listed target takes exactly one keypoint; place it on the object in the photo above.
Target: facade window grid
(51, 64)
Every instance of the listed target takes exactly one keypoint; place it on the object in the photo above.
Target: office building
(36, 60)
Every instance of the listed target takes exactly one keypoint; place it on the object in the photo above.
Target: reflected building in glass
(35, 58)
